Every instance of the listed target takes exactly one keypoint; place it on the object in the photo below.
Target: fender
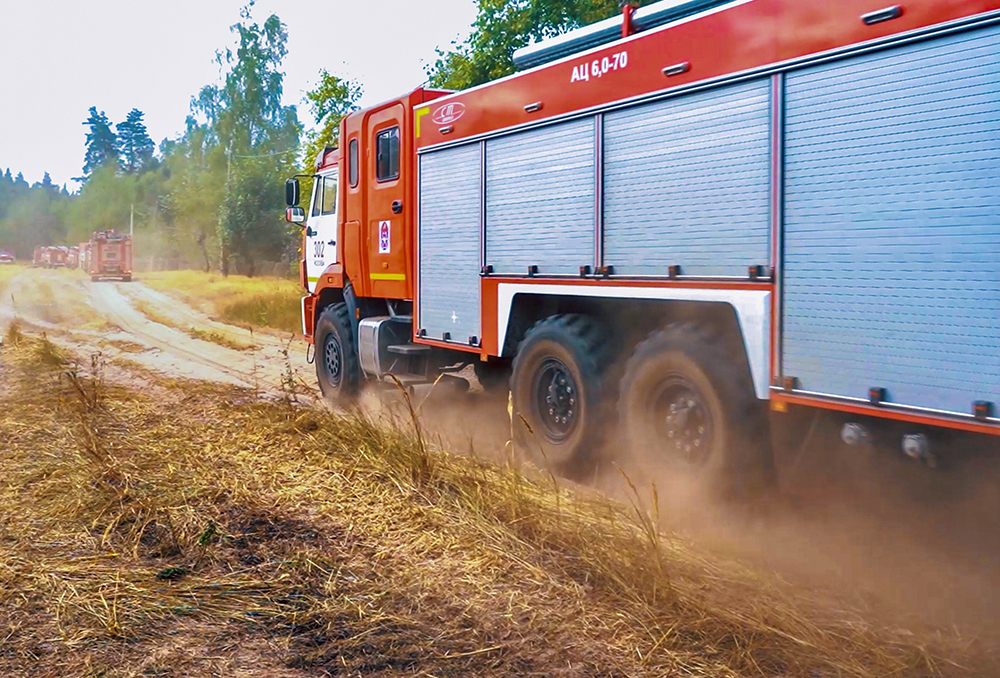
(752, 307)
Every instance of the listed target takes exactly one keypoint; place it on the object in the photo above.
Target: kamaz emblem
(449, 113)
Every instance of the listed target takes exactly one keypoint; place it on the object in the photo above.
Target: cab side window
(352, 164)
(387, 154)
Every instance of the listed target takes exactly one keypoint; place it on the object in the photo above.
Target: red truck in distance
(109, 256)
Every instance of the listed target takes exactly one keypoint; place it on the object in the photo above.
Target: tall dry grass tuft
(47, 354)
(14, 337)
(242, 537)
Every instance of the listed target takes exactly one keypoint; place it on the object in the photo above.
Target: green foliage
(331, 100)
(134, 145)
(503, 26)
(195, 167)
(260, 137)
(31, 216)
(102, 144)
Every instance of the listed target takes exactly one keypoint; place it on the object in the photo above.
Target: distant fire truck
(54, 257)
(109, 256)
(679, 218)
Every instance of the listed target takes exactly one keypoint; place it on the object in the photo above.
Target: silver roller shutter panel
(687, 182)
(540, 199)
(892, 224)
(449, 243)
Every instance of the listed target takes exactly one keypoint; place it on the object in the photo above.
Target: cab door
(321, 228)
(386, 224)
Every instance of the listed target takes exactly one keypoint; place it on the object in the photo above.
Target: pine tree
(102, 144)
(49, 187)
(134, 145)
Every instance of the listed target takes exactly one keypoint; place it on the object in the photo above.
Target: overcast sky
(60, 57)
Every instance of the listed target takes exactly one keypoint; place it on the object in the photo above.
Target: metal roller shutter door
(449, 243)
(892, 224)
(540, 199)
(687, 181)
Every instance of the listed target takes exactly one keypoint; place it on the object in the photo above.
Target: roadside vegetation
(154, 314)
(190, 529)
(8, 271)
(273, 303)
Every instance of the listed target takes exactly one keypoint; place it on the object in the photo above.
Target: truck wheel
(557, 387)
(338, 369)
(493, 376)
(687, 406)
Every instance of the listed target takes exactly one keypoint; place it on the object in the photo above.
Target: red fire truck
(54, 257)
(109, 256)
(678, 219)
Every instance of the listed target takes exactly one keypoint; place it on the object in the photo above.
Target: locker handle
(677, 69)
(880, 15)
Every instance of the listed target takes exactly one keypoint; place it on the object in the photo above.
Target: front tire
(338, 368)
(688, 405)
(558, 388)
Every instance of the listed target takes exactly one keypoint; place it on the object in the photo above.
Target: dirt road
(130, 320)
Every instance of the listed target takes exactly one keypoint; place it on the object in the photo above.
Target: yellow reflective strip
(313, 279)
(388, 276)
(420, 114)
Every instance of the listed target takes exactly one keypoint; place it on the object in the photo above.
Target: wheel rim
(556, 400)
(332, 360)
(682, 421)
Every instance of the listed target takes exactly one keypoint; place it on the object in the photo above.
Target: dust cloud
(914, 547)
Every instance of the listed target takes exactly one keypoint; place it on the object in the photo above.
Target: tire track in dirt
(168, 349)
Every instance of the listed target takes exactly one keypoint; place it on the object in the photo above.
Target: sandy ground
(105, 317)
(934, 555)
(133, 322)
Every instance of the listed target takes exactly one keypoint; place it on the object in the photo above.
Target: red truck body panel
(734, 39)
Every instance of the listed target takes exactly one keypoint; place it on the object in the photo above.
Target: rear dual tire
(688, 407)
(686, 404)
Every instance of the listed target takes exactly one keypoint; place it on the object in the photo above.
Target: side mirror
(292, 192)
(295, 215)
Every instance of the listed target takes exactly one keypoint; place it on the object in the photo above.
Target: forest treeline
(212, 197)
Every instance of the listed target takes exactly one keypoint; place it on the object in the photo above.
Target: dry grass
(218, 338)
(259, 302)
(57, 304)
(8, 271)
(156, 316)
(190, 530)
